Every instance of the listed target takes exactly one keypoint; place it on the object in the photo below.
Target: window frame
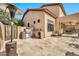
(50, 26)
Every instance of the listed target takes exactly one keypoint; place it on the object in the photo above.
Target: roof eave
(52, 4)
(41, 9)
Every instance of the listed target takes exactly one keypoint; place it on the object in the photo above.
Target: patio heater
(11, 46)
(12, 14)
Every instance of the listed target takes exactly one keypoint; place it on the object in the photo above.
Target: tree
(17, 21)
(4, 18)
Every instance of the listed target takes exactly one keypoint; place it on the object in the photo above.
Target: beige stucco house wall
(53, 12)
(32, 16)
(46, 18)
(58, 10)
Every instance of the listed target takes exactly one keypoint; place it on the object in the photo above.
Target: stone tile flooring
(50, 46)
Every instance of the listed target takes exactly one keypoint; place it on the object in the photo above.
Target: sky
(70, 8)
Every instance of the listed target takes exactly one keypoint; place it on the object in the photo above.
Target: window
(34, 22)
(28, 25)
(50, 26)
(38, 20)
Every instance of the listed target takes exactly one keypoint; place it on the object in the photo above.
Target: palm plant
(4, 18)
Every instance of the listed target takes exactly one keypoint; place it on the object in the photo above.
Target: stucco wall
(32, 16)
(3, 7)
(46, 21)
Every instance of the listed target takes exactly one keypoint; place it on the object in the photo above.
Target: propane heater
(11, 46)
